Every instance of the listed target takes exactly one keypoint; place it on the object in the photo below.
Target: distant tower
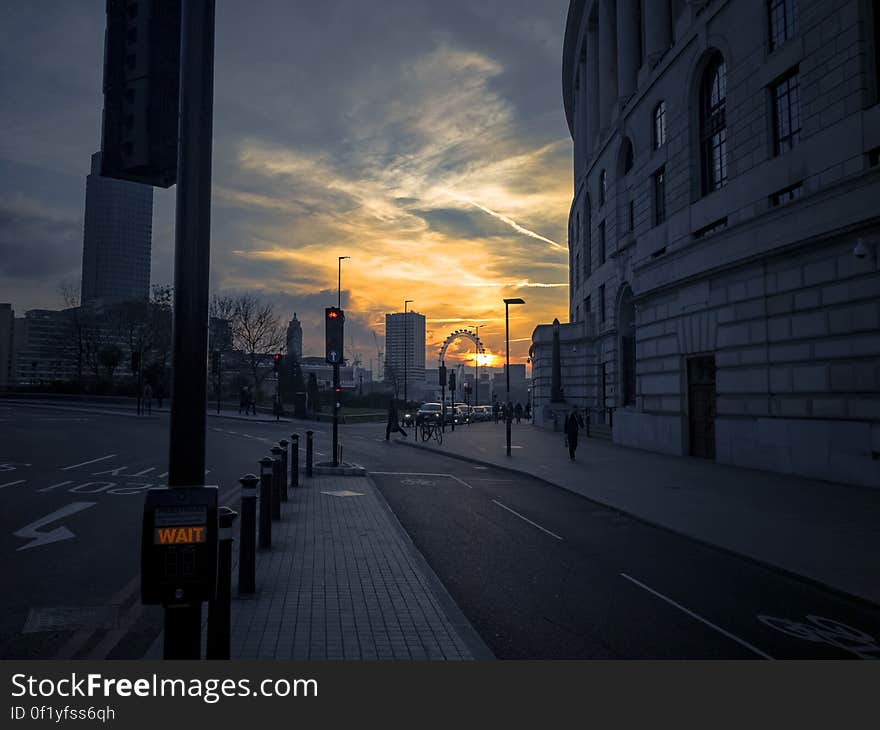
(117, 238)
(295, 338)
(405, 338)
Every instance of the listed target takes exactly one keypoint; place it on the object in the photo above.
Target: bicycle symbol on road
(822, 630)
(409, 482)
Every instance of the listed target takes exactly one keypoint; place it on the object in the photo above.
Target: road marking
(11, 484)
(819, 629)
(115, 472)
(690, 613)
(86, 463)
(420, 474)
(143, 472)
(55, 486)
(481, 468)
(535, 524)
(59, 533)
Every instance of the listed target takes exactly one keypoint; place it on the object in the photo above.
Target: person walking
(393, 425)
(242, 400)
(253, 400)
(572, 427)
(148, 399)
(518, 411)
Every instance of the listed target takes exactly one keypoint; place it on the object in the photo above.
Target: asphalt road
(540, 572)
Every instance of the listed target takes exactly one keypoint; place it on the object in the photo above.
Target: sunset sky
(424, 139)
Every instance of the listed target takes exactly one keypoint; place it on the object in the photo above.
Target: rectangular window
(588, 254)
(786, 113)
(660, 125)
(783, 21)
(874, 154)
(713, 227)
(786, 195)
(660, 196)
(587, 304)
(577, 270)
(602, 243)
(631, 220)
(602, 304)
(577, 315)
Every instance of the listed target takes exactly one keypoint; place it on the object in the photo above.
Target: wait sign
(179, 535)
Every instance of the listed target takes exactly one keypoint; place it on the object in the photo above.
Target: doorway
(701, 406)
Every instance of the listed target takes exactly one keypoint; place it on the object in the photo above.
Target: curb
(860, 600)
(460, 622)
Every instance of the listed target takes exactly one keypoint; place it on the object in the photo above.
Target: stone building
(724, 231)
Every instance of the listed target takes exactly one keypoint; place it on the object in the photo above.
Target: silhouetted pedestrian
(571, 432)
(518, 411)
(243, 400)
(148, 399)
(393, 425)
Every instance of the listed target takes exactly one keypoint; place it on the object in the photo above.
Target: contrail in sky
(512, 223)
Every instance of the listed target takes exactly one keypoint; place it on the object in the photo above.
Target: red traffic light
(277, 357)
(332, 314)
(338, 389)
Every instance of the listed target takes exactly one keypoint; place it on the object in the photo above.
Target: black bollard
(309, 451)
(266, 502)
(294, 460)
(247, 536)
(283, 443)
(276, 482)
(220, 609)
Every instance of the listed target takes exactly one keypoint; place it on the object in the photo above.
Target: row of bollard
(273, 490)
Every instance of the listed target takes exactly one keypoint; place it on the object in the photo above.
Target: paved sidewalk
(344, 581)
(828, 533)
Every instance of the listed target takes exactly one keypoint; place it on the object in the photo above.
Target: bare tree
(256, 330)
(75, 341)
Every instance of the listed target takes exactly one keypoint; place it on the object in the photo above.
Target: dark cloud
(36, 243)
(463, 223)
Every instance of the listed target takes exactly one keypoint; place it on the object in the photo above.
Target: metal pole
(186, 460)
(283, 444)
(276, 482)
(335, 414)
(247, 535)
(294, 464)
(265, 502)
(220, 608)
(507, 369)
(405, 352)
(309, 452)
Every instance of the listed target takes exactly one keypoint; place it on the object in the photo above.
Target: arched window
(659, 125)
(603, 186)
(713, 125)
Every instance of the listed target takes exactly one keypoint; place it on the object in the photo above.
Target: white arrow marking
(59, 533)
(11, 484)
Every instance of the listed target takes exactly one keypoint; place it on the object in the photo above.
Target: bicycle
(431, 429)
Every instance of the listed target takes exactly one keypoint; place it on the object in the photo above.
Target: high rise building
(723, 232)
(7, 345)
(295, 338)
(405, 348)
(117, 238)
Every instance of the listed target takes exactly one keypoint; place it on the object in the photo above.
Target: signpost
(157, 130)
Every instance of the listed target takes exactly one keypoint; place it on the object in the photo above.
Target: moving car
(429, 410)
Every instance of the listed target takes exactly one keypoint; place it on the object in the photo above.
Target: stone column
(591, 98)
(658, 28)
(607, 61)
(629, 37)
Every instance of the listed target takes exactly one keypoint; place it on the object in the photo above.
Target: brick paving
(343, 581)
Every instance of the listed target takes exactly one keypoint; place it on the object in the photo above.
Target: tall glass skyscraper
(117, 238)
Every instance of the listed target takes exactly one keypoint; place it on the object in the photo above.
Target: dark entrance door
(701, 406)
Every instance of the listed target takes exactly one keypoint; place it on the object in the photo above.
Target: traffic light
(452, 382)
(141, 91)
(442, 376)
(276, 362)
(135, 361)
(334, 325)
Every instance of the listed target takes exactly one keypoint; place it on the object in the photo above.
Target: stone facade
(724, 231)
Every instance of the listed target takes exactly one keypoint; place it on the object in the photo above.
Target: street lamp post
(339, 281)
(507, 409)
(477, 368)
(405, 351)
